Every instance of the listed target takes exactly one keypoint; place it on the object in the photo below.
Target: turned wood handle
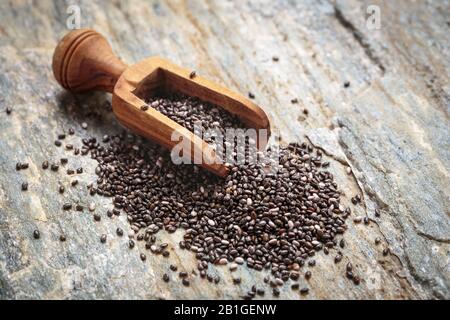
(83, 60)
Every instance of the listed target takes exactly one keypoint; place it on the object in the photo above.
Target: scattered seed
(119, 232)
(103, 238)
(276, 292)
(185, 282)
(239, 260)
(357, 220)
(45, 165)
(67, 206)
(24, 186)
(308, 275)
(166, 277)
(62, 238)
(294, 276)
(173, 267)
(279, 282)
(377, 213)
(192, 75)
(349, 267)
(36, 234)
(356, 199)
(233, 266)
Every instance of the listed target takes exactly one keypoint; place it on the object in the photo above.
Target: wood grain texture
(391, 126)
(83, 61)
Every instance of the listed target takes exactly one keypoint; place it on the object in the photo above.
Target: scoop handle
(84, 60)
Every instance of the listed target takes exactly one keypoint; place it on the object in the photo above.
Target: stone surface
(391, 126)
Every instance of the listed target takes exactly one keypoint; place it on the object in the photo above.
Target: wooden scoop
(83, 61)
